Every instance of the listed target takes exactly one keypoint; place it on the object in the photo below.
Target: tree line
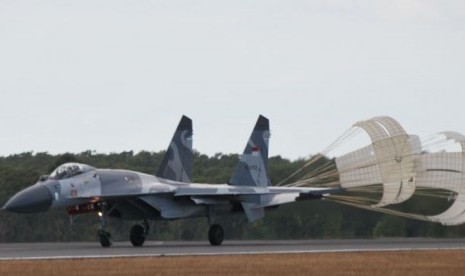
(300, 220)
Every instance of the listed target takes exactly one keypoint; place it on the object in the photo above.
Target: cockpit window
(69, 170)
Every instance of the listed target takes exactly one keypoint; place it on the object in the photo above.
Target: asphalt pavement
(9, 251)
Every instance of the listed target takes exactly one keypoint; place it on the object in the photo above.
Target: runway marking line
(222, 254)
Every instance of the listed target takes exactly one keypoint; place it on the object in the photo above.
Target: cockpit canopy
(69, 170)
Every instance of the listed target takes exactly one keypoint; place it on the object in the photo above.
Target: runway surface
(16, 251)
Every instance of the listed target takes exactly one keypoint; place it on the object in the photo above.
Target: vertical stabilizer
(177, 163)
(252, 169)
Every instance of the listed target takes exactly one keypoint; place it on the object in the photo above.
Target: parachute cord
(379, 210)
(312, 160)
(350, 132)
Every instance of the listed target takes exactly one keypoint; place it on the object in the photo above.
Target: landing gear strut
(104, 236)
(138, 234)
(215, 234)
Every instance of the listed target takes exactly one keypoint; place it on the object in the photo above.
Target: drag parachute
(395, 163)
(389, 161)
(445, 170)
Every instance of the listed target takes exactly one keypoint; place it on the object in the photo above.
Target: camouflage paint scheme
(169, 194)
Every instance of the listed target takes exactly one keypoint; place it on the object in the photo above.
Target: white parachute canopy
(395, 161)
(389, 161)
(445, 170)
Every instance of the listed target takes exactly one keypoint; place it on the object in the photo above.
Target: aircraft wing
(212, 190)
(252, 199)
(260, 196)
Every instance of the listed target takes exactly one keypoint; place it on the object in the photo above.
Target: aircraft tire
(215, 235)
(105, 238)
(137, 235)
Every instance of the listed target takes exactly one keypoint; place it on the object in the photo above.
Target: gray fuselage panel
(119, 182)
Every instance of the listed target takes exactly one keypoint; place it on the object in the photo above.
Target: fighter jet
(168, 194)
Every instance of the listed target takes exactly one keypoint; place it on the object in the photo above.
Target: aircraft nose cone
(35, 198)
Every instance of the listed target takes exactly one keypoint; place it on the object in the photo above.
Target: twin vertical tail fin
(177, 163)
(252, 169)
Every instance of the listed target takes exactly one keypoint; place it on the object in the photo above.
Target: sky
(117, 75)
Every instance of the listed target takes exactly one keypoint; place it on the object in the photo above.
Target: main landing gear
(216, 234)
(138, 234)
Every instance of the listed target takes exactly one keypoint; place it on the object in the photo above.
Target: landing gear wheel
(137, 235)
(215, 234)
(105, 238)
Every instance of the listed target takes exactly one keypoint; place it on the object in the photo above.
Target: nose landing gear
(104, 236)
